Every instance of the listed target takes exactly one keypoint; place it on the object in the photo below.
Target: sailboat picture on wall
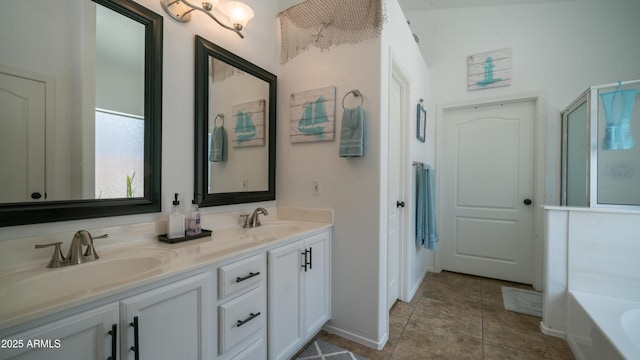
(248, 129)
(312, 115)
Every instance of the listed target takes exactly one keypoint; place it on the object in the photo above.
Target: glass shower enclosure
(601, 147)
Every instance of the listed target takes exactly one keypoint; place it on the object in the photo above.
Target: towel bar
(355, 93)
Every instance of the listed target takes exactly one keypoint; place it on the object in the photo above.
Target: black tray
(204, 233)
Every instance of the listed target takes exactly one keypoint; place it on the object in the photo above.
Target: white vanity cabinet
(88, 335)
(299, 293)
(242, 308)
(169, 322)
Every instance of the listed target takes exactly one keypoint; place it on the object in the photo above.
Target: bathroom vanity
(240, 294)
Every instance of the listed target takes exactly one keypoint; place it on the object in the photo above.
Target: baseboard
(416, 286)
(357, 338)
(551, 332)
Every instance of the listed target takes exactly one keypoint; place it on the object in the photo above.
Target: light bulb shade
(239, 14)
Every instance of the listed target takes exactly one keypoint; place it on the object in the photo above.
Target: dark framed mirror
(235, 129)
(92, 146)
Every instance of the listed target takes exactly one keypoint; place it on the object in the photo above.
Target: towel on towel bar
(426, 232)
(218, 145)
(352, 133)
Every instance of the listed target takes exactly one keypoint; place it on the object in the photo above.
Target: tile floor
(456, 316)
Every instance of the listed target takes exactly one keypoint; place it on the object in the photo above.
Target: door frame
(539, 153)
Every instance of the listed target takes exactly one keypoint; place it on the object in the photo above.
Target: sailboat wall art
(312, 115)
(248, 128)
(488, 70)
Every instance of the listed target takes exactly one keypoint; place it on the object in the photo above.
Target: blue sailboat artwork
(245, 129)
(488, 73)
(249, 124)
(314, 117)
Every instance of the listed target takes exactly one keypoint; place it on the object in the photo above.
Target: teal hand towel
(352, 133)
(218, 152)
(421, 186)
(426, 227)
(432, 231)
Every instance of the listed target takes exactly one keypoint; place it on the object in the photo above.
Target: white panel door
(22, 138)
(396, 117)
(487, 189)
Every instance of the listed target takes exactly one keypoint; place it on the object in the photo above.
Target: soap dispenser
(193, 219)
(175, 222)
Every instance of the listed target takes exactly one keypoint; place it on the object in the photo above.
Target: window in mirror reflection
(119, 155)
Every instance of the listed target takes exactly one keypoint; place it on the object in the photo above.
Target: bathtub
(602, 327)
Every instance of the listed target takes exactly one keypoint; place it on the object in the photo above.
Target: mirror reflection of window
(119, 155)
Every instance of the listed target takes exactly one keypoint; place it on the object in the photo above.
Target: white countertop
(28, 293)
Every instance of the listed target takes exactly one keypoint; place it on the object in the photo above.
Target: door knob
(399, 204)
(527, 201)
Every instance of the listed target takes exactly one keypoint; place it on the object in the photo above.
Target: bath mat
(322, 350)
(522, 301)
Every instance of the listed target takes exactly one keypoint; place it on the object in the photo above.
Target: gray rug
(522, 301)
(322, 350)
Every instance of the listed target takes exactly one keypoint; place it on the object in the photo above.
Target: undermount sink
(35, 287)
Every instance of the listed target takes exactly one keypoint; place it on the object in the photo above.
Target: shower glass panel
(601, 147)
(576, 170)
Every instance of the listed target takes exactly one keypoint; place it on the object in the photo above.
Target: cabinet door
(317, 284)
(82, 336)
(285, 291)
(172, 321)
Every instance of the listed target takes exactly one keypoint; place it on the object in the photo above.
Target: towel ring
(355, 93)
(221, 116)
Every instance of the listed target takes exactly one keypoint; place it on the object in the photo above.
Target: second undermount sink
(275, 229)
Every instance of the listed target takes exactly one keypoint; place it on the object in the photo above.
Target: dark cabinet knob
(527, 201)
(399, 204)
(36, 195)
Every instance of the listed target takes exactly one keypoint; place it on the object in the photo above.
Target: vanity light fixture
(239, 13)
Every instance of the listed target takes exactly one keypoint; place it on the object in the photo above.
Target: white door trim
(540, 119)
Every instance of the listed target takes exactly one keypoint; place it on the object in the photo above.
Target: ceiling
(415, 5)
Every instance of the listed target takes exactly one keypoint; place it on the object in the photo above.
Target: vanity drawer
(240, 318)
(241, 275)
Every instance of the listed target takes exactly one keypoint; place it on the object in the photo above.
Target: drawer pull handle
(251, 274)
(251, 317)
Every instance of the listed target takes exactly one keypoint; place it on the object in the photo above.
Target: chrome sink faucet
(253, 220)
(75, 255)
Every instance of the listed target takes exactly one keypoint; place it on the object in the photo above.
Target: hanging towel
(218, 152)
(421, 188)
(352, 133)
(432, 231)
(426, 232)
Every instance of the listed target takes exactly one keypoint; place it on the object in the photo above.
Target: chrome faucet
(253, 220)
(75, 255)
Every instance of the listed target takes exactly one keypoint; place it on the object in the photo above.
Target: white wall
(259, 47)
(559, 49)
(399, 48)
(355, 188)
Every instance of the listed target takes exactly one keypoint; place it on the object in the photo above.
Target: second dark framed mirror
(235, 128)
